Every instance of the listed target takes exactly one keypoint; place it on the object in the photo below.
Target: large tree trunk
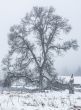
(41, 82)
(41, 79)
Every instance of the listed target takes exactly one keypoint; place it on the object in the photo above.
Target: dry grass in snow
(49, 100)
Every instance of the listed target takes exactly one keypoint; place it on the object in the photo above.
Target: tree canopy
(34, 42)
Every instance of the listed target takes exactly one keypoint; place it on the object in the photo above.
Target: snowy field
(48, 100)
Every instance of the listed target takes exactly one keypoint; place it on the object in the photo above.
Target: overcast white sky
(11, 12)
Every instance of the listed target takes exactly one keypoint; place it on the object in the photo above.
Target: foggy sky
(11, 12)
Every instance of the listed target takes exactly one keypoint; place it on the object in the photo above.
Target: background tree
(7, 69)
(34, 41)
(78, 71)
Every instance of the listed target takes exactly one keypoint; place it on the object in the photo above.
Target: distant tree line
(78, 71)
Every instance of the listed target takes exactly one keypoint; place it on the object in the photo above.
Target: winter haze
(11, 12)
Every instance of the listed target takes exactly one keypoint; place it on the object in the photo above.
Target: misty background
(11, 12)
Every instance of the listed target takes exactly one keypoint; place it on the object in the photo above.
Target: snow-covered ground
(49, 100)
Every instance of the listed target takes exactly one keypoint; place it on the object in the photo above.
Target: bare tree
(35, 41)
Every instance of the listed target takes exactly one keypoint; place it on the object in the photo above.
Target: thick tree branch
(65, 46)
(28, 47)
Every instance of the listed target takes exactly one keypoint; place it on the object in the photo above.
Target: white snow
(77, 79)
(49, 100)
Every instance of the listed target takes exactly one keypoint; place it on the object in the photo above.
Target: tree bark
(40, 79)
